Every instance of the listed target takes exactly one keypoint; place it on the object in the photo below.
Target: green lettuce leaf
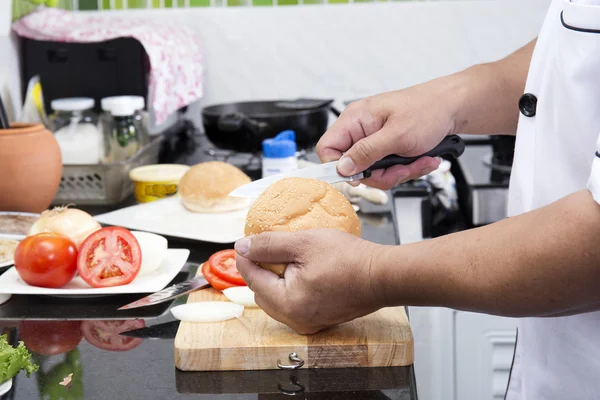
(13, 360)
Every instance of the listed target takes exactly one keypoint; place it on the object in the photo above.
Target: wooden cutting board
(256, 341)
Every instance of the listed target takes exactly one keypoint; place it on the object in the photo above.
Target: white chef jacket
(557, 152)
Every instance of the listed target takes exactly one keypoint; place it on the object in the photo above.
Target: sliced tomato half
(214, 280)
(106, 334)
(109, 257)
(222, 263)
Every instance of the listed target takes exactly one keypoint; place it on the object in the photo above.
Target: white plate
(18, 238)
(169, 217)
(5, 386)
(175, 259)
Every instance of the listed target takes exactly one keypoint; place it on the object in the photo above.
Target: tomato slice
(105, 334)
(214, 280)
(109, 257)
(222, 263)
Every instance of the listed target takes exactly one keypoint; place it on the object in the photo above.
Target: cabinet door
(484, 351)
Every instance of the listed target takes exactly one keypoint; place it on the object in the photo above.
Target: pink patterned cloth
(175, 53)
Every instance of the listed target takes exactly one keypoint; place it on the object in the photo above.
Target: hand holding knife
(452, 145)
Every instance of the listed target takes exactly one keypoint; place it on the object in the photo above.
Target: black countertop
(63, 335)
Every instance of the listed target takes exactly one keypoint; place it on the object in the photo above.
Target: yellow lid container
(157, 181)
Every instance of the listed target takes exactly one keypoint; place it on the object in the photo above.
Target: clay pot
(30, 168)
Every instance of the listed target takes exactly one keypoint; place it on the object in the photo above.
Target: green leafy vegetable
(13, 360)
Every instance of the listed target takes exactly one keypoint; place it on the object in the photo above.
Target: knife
(452, 145)
(169, 293)
(166, 330)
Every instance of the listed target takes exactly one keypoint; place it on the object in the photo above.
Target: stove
(482, 176)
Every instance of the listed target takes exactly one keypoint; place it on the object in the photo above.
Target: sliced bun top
(294, 204)
(212, 180)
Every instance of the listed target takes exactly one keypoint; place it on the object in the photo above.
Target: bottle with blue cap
(279, 154)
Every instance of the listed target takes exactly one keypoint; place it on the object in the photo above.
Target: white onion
(71, 222)
(207, 311)
(241, 295)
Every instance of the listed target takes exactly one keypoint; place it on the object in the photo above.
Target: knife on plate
(170, 293)
(452, 145)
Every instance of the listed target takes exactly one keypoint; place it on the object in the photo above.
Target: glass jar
(76, 131)
(121, 130)
(139, 114)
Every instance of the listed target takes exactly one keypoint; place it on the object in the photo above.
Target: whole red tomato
(50, 337)
(46, 260)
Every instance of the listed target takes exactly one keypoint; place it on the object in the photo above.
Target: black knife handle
(452, 145)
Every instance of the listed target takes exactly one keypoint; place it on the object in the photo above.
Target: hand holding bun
(205, 187)
(294, 204)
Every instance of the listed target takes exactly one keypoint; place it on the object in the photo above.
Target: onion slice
(207, 311)
(241, 295)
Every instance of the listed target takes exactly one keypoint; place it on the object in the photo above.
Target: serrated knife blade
(324, 172)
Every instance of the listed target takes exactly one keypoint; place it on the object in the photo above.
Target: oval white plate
(174, 261)
(18, 238)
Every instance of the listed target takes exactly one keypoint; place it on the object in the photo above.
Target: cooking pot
(243, 126)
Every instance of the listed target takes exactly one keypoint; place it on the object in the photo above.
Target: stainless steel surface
(325, 172)
(483, 187)
(169, 293)
(489, 205)
(409, 218)
(297, 362)
(103, 184)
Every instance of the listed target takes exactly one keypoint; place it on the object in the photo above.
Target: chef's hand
(406, 122)
(327, 280)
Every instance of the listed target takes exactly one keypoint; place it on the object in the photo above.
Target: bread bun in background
(205, 187)
(294, 204)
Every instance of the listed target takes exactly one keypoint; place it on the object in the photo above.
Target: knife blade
(169, 293)
(452, 145)
(166, 330)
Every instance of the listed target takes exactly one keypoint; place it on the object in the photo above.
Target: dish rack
(103, 184)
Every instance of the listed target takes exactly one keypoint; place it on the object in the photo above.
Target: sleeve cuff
(594, 180)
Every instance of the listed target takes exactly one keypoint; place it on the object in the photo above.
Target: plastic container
(75, 130)
(279, 154)
(153, 182)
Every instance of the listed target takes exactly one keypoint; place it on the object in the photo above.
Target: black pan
(243, 126)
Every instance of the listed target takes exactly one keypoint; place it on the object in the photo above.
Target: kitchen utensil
(170, 293)
(243, 126)
(4, 123)
(168, 217)
(354, 194)
(256, 341)
(48, 308)
(30, 168)
(174, 260)
(104, 184)
(451, 145)
(166, 330)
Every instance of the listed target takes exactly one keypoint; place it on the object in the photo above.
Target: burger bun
(294, 204)
(205, 188)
